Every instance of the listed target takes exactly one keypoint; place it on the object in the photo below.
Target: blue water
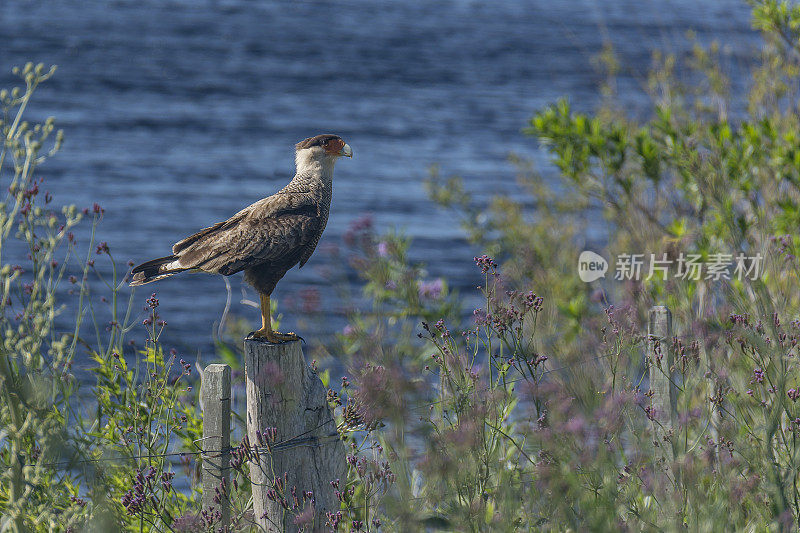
(179, 113)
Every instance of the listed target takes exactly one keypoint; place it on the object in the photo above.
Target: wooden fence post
(661, 360)
(304, 453)
(215, 391)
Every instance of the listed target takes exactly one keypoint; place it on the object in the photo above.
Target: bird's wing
(268, 230)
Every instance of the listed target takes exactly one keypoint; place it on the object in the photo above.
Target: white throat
(311, 164)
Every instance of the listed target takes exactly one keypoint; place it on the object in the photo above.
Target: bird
(267, 238)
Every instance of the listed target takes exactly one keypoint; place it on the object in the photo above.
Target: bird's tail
(155, 269)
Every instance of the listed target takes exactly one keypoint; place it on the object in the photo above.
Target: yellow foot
(274, 337)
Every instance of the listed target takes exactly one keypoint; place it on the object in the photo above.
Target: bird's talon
(274, 337)
(286, 337)
(294, 336)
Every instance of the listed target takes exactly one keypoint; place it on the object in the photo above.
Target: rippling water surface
(177, 114)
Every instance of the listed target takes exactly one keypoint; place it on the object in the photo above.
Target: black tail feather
(153, 270)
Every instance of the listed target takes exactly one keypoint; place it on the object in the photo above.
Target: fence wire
(301, 439)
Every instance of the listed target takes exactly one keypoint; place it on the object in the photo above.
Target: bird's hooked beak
(346, 151)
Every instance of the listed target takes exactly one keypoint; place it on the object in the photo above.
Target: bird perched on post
(267, 238)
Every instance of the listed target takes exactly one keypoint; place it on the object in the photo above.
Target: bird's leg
(266, 325)
(266, 319)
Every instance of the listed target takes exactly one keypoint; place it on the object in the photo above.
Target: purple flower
(364, 222)
(431, 289)
(486, 264)
(575, 424)
(383, 249)
(188, 523)
(481, 317)
(348, 330)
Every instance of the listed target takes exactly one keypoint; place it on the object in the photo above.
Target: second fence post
(215, 392)
(661, 361)
(299, 451)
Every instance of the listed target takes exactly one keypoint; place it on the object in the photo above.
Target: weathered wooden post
(661, 360)
(306, 455)
(215, 391)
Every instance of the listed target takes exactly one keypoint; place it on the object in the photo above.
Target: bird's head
(321, 150)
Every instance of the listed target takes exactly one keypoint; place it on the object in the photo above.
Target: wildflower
(102, 248)
(166, 480)
(758, 376)
(334, 519)
(311, 300)
(486, 264)
(740, 319)
(79, 501)
(431, 289)
(188, 523)
(333, 398)
(305, 518)
(271, 433)
(481, 317)
(362, 223)
(33, 191)
(532, 301)
(383, 249)
(793, 394)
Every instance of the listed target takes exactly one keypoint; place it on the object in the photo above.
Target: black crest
(319, 140)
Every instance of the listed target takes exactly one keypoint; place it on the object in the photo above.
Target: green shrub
(535, 413)
(541, 419)
(73, 459)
